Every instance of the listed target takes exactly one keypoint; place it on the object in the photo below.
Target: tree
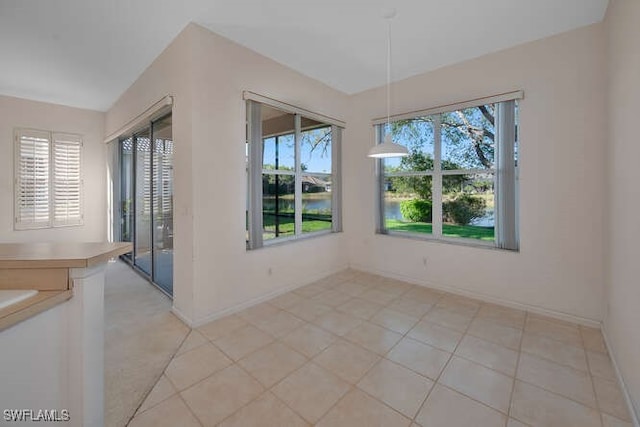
(319, 138)
(468, 136)
(468, 141)
(418, 185)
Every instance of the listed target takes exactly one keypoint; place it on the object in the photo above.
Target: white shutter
(32, 179)
(67, 179)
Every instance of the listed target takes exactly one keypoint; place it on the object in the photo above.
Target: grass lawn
(287, 224)
(448, 230)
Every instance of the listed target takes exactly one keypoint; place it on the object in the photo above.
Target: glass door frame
(130, 258)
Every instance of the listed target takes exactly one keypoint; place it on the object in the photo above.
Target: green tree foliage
(416, 210)
(467, 143)
(463, 209)
(418, 185)
(469, 136)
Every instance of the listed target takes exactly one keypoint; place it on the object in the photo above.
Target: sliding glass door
(126, 192)
(162, 227)
(146, 213)
(142, 240)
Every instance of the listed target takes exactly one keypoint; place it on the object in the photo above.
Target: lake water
(391, 209)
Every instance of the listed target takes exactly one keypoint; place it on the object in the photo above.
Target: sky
(317, 160)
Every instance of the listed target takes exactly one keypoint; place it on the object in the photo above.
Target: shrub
(463, 209)
(416, 210)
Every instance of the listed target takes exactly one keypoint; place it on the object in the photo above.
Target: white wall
(21, 113)
(225, 272)
(55, 359)
(562, 121)
(623, 269)
(207, 74)
(170, 74)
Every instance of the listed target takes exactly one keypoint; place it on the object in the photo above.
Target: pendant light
(388, 148)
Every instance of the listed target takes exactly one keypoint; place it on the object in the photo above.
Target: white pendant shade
(388, 149)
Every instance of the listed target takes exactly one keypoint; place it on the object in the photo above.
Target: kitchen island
(52, 331)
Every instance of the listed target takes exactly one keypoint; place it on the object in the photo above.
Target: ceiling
(86, 53)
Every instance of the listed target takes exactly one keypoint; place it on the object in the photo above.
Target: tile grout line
(354, 386)
(378, 286)
(307, 361)
(239, 366)
(233, 362)
(146, 396)
(591, 380)
(444, 367)
(588, 373)
(515, 373)
(178, 393)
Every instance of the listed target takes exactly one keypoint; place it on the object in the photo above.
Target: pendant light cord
(389, 75)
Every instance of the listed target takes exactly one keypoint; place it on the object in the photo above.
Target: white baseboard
(483, 297)
(635, 418)
(254, 301)
(181, 316)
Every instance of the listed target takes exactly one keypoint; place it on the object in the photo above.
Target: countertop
(45, 267)
(59, 255)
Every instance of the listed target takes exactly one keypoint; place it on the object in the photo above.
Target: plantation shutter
(32, 179)
(67, 180)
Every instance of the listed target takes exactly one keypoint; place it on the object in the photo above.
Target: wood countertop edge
(115, 250)
(104, 257)
(30, 307)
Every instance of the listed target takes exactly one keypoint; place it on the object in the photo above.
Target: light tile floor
(141, 337)
(355, 349)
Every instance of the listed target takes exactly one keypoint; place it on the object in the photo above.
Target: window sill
(451, 241)
(18, 227)
(291, 239)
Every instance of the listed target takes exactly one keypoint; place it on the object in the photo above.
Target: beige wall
(207, 74)
(622, 319)
(170, 74)
(21, 113)
(225, 272)
(562, 122)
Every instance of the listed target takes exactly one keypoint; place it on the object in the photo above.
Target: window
(48, 181)
(459, 181)
(293, 169)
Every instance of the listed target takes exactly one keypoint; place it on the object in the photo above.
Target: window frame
(255, 171)
(54, 139)
(499, 173)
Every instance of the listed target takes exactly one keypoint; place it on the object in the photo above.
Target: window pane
(279, 153)
(468, 206)
(126, 191)
(407, 199)
(278, 206)
(163, 154)
(468, 138)
(408, 211)
(278, 133)
(143, 202)
(417, 135)
(315, 147)
(316, 203)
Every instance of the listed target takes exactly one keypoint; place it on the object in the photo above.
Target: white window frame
(505, 174)
(255, 171)
(54, 140)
